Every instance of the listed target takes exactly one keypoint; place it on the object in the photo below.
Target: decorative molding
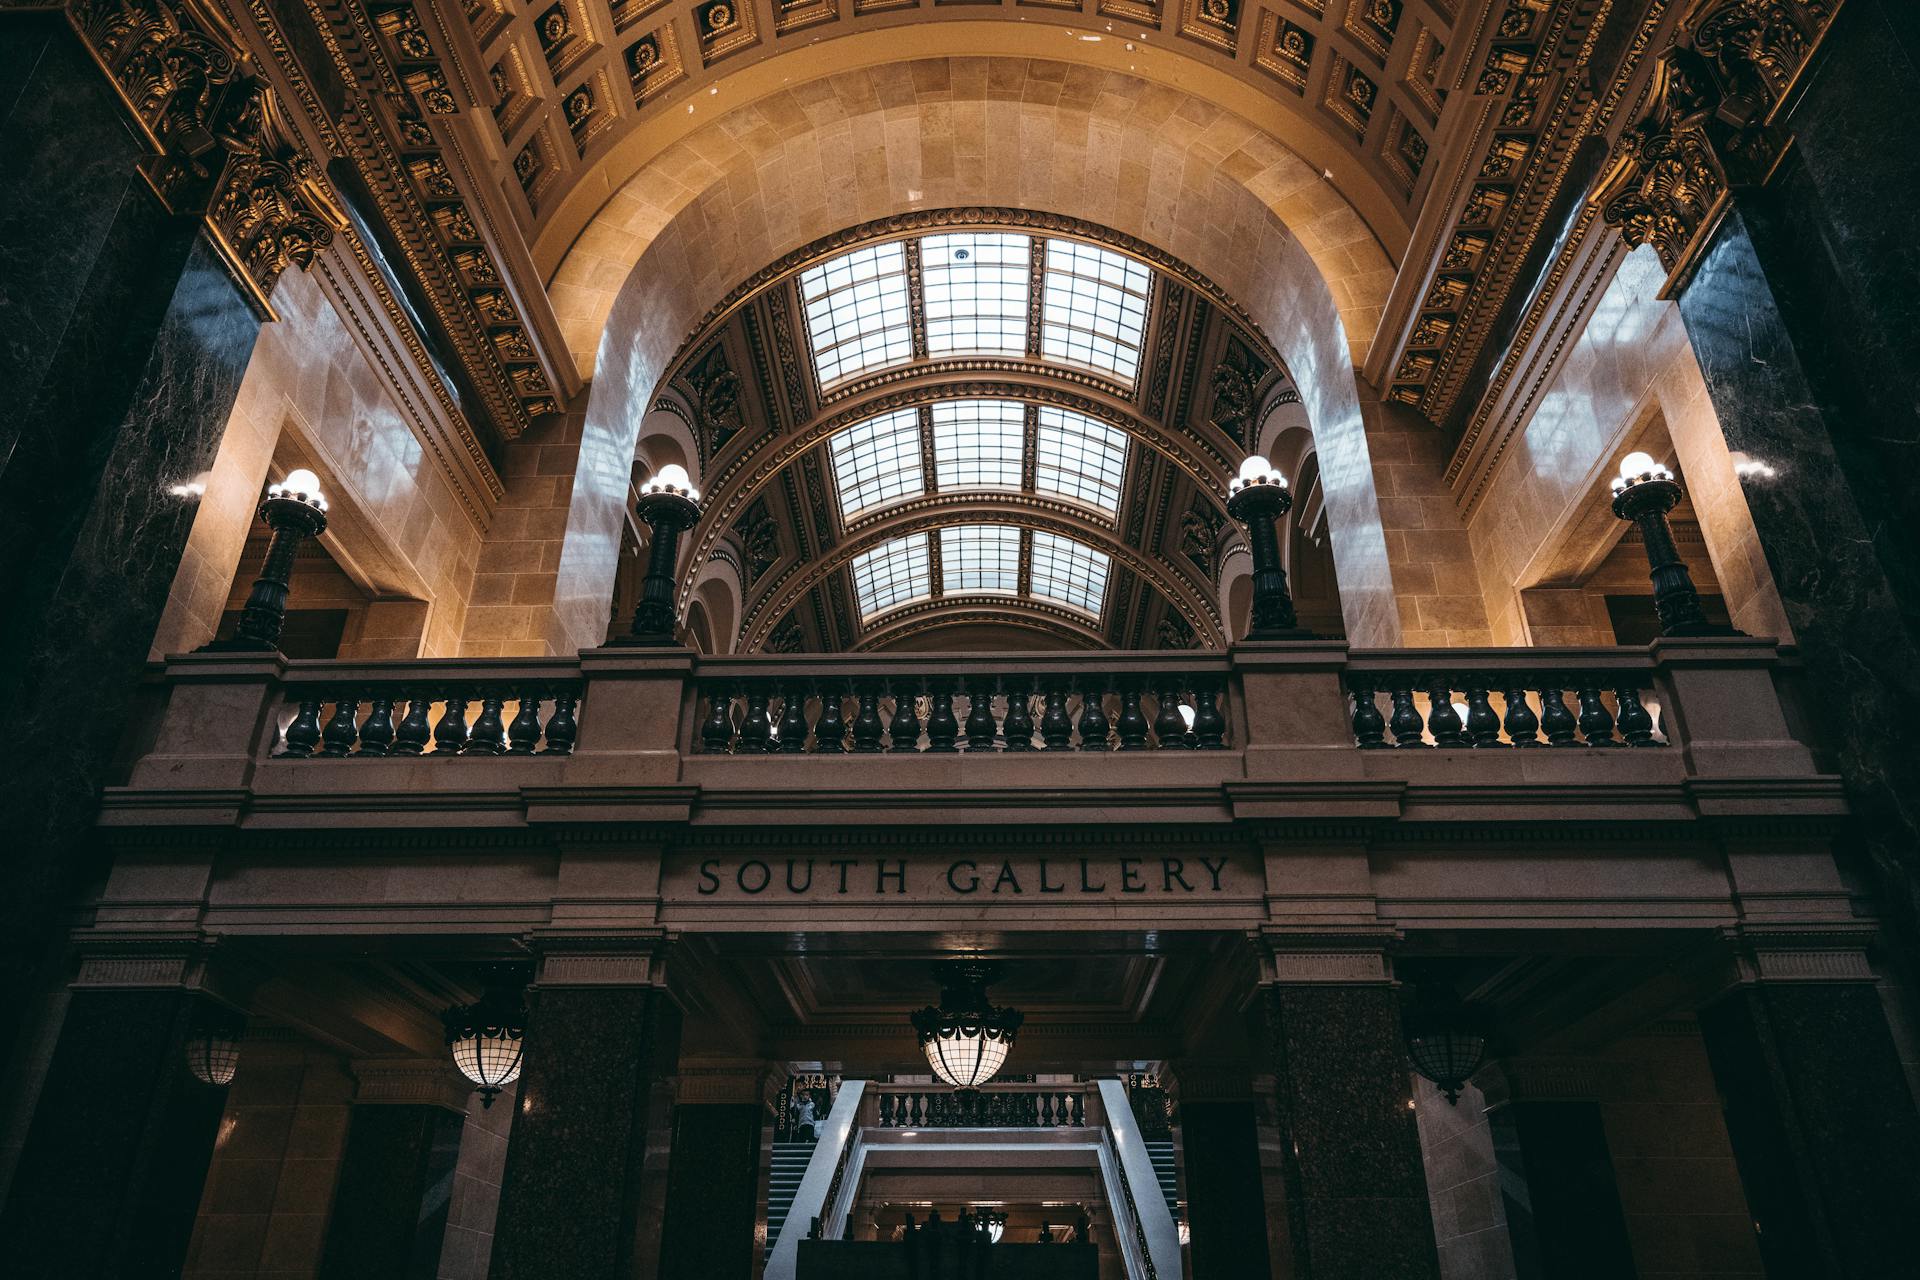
(163, 962)
(1331, 958)
(410, 1082)
(1711, 126)
(1801, 953)
(599, 960)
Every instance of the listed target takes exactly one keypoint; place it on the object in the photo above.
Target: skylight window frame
(964, 558)
(990, 292)
(877, 463)
(978, 419)
(861, 299)
(1081, 459)
(1081, 573)
(1093, 309)
(893, 575)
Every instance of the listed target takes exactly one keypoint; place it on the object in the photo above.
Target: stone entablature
(663, 817)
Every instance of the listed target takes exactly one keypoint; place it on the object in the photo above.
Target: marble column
(1562, 1206)
(601, 1036)
(110, 1177)
(126, 342)
(1820, 1116)
(712, 1181)
(1356, 1189)
(1804, 318)
(396, 1174)
(1226, 1210)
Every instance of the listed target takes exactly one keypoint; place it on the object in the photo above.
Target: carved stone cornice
(599, 960)
(1800, 953)
(410, 1082)
(1711, 124)
(222, 148)
(1338, 958)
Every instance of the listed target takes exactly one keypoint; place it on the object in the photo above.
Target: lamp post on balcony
(1257, 498)
(670, 505)
(1643, 493)
(294, 510)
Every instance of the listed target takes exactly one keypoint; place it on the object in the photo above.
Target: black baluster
(1369, 726)
(886, 1110)
(1094, 725)
(867, 729)
(1636, 722)
(376, 732)
(981, 727)
(1483, 727)
(1169, 726)
(756, 731)
(1442, 720)
(523, 733)
(1132, 725)
(1523, 727)
(343, 730)
(1018, 727)
(1056, 730)
(415, 730)
(1556, 719)
(1209, 722)
(716, 731)
(793, 720)
(830, 730)
(1596, 722)
(1079, 1109)
(562, 729)
(943, 729)
(488, 737)
(1046, 1109)
(303, 731)
(905, 729)
(450, 734)
(1405, 721)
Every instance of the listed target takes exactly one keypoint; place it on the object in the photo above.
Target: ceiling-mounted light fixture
(213, 1047)
(966, 1038)
(486, 1039)
(1447, 1042)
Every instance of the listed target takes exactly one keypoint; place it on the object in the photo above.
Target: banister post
(1719, 705)
(1293, 711)
(635, 715)
(219, 720)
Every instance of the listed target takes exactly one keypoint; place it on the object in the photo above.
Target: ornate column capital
(177, 960)
(1799, 953)
(1350, 957)
(599, 960)
(222, 146)
(1710, 123)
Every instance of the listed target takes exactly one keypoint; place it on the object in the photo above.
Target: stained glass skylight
(857, 313)
(893, 573)
(979, 557)
(1094, 311)
(978, 444)
(1069, 572)
(975, 290)
(1077, 457)
(878, 461)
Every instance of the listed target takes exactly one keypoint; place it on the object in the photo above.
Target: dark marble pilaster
(569, 1203)
(1823, 1126)
(117, 1154)
(1225, 1207)
(1556, 1178)
(1356, 1190)
(125, 342)
(396, 1182)
(712, 1191)
(1804, 315)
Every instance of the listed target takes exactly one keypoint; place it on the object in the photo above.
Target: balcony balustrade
(1183, 736)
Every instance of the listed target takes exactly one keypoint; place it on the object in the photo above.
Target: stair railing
(824, 1169)
(1142, 1223)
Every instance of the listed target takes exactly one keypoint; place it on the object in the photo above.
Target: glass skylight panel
(857, 314)
(975, 292)
(878, 461)
(1080, 458)
(1068, 572)
(1094, 312)
(893, 573)
(979, 557)
(977, 444)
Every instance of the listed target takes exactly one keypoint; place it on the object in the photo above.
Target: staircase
(1161, 1153)
(789, 1164)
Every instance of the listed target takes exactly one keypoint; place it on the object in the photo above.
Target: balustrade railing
(936, 1109)
(1434, 699)
(874, 706)
(343, 710)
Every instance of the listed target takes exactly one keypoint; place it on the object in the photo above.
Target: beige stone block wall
(1463, 1184)
(276, 1161)
(311, 397)
(1436, 587)
(467, 1247)
(1630, 374)
(510, 612)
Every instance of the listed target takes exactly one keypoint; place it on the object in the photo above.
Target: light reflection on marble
(1103, 147)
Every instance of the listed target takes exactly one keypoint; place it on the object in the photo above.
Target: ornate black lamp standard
(1257, 498)
(294, 510)
(1643, 493)
(670, 505)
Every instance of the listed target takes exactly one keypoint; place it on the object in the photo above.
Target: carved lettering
(1170, 869)
(1214, 868)
(973, 881)
(1087, 886)
(710, 876)
(1007, 877)
(1044, 886)
(844, 864)
(740, 876)
(898, 874)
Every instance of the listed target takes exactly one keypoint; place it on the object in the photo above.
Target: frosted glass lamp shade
(486, 1042)
(968, 1057)
(213, 1055)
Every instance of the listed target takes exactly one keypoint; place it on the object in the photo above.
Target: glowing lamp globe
(213, 1055)
(672, 478)
(486, 1042)
(1639, 468)
(301, 485)
(966, 1038)
(1255, 470)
